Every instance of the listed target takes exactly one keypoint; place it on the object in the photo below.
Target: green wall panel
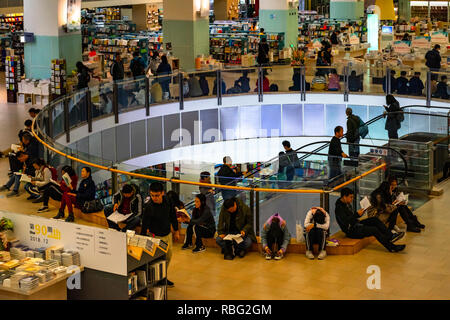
(346, 10)
(281, 21)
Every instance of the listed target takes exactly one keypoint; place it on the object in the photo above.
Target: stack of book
(5, 256)
(29, 283)
(5, 275)
(58, 79)
(45, 276)
(132, 283)
(157, 271)
(16, 277)
(60, 270)
(9, 265)
(70, 258)
(49, 264)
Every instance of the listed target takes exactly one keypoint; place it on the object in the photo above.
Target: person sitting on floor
(354, 82)
(317, 223)
(26, 129)
(275, 237)
(235, 219)
(42, 177)
(85, 192)
(202, 225)
(441, 89)
(244, 82)
(348, 221)
(204, 85)
(319, 82)
(266, 82)
(68, 184)
(127, 201)
(333, 81)
(383, 211)
(27, 168)
(389, 192)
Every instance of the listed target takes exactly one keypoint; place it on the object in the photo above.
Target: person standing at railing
(137, 65)
(433, 58)
(228, 176)
(290, 160)
(205, 177)
(164, 68)
(402, 83)
(263, 52)
(394, 116)
(83, 76)
(335, 153)
(352, 133)
(117, 70)
(415, 85)
(441, 89)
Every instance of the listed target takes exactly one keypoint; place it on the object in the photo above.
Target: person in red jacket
(266, 82)
(68, 184)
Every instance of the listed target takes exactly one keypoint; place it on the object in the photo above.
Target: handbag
(92, 206)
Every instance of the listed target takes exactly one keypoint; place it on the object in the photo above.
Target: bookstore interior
(41, 258)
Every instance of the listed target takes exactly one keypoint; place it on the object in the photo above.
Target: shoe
(170, 284)
(268, 256)
(396, 229)
(279, 256)
(397, 248)
(31, 198)
(242, 253)
(186, 246)
(199, 249)
(13, 194)
(44, 209)
(60, 215)
(70, 218)
(38, 200)
(228, 257)
(309, 255)
(397, 236)
(415, 229)
(322, 255)
(419, 225)
(4, 188)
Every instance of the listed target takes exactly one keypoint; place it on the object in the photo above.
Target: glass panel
(270, 120)
(314, 120)
(229, 123)
(250, 121)
(292, 115)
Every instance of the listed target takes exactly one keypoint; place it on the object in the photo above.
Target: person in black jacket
(127, 201)
(30, 145)
(204, 85)
(202, 225)
(393, 82)
(392, 112)
(352, 133)
(164, 68)
(263, 52)
(334, 37)
(228, 176)
(27, 168)
(433, 58)
(353, 228)
(415, 85)
(402, 83)
(117, 70)
(335, 153)
(290, 160)
(160, 219)
(82, 75)
(354, 82)
(441, 90)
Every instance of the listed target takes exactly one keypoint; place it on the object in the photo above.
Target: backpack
(363, 128)
(273, 87)
(54, 173)
(95, 205)
(400, 116)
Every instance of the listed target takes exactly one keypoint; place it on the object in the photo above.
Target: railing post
(428, 88)
(89, 109)
(346, 72)
(260, 84)
(147, 96)
(66, 119)
(252, 205)
(257, 212)
(302, 83)
(326, 202)
(50, 123)
(219, 87)
(180, 80)
(388, 80)
(114, 182)
(116, 102)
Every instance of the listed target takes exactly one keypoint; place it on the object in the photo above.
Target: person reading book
(317, 223)
(56, 190)
(201, 225)
(385, 212)
(127, 205)
(26, 168)
(275, 237)
(235, 219)
(348, 221)
(42, 177)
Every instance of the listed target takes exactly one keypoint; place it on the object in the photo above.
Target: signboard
(354, 39)
(421, 42)
(73, 15)
(439, 36)
(381, 152)
(100, 249)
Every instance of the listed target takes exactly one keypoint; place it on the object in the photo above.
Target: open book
(182, 213)
(25, 178)
(117, 217)
(66, 179)
(365, 203)
(402, 197)
(15, 148)
(235, 237)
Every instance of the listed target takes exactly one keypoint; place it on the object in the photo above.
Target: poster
(99, 249)
(402, 47)
(73, 15)
(421, 42)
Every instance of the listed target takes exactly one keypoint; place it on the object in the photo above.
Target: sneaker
(31, 198)
(309, 255)
(4, 188)
(268, 256)
(38, 200)
(396, 229)
(397, 248)
(170, 284)
(322, 255)
(414, 229)
(397, 236)
(421, 226)
(60, 215)
(279, 256)
(44, 209)
(186, 246)
(199, 249)
(242, 253)
(13, 194)
(70, 218)
(228, 257)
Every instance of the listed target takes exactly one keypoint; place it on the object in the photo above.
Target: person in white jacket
(42, 177)
(317, 223)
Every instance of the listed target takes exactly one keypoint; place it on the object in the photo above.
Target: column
(226, 9)
(346, 9)
(404, 10)
(186, 27)
(280, 16)
(46, 18)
